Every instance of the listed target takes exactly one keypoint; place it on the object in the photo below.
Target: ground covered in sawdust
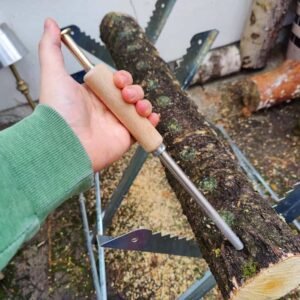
(150, 204)
(269, 138)
(54, 265)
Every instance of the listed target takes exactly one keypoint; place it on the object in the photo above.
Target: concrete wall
(188, 17)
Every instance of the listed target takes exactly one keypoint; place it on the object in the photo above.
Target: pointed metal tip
(66, 30)
(239, 245)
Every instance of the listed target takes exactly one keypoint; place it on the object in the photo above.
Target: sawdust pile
(149, 204)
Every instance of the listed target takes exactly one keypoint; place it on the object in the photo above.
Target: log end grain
(271, 283)
(246, 92)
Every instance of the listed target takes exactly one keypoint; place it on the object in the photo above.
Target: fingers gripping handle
(100, 80)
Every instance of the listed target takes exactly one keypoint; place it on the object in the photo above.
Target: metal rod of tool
(75, 50)
(186, 183)
(100, 80)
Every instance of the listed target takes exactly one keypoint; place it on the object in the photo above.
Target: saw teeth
(87, 37)
(91, 39)
(172, 237)
(193, 42)
(158, 6)
(158, 18)
(91, 45)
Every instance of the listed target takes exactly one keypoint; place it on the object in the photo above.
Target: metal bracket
(289, 207)
(159, 18)
(189, 64)
(89, 44)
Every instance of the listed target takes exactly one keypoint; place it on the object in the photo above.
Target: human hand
(104, 138)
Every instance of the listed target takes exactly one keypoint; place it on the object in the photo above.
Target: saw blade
(146, 241)
(89, 44)
(159, 18)
(289, 207)
(189, 64)
(155, 25)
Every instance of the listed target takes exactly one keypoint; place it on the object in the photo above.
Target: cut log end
(267, 89)
(271, 283)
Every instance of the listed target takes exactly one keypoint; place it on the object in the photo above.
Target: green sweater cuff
(47, 159)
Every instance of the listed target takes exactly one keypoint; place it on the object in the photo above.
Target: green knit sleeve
(42, 163)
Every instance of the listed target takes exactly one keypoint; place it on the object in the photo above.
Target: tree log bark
(219, 63)
(270, 88)
(271, 248)
(261, 31)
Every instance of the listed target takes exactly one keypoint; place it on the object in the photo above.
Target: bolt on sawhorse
(142, 239)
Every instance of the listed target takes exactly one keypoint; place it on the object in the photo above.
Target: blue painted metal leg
(89, 246)
(101, 258)
(129, 175)
(200, 288)
(289, 207)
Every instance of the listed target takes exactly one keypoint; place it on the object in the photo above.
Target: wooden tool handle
(100, 81)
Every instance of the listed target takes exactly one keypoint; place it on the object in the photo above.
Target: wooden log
(269, 265)
(270, 88)
(218, 63)
(261, 31)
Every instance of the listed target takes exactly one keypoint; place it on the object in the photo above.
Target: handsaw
(146, 241)
(159, 18)
(89, 44)
(188, 64)
(154, 27)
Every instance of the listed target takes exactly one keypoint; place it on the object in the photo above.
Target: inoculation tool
(99, 79)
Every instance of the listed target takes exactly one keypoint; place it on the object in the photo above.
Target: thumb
(51, 58)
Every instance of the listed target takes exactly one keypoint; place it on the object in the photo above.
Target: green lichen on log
(188, 153)
(174, 126)
(228, 217)
(163, 101)
(217, 252)
(208, 185)
(267, 239)
(249, 269)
